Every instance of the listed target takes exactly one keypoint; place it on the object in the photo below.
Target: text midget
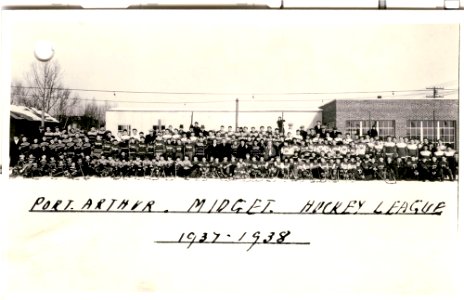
(242, 206)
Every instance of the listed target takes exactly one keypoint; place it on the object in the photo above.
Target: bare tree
(44, 90)
(20, 94)
(66, 105)
(91, 109)
(95, 110)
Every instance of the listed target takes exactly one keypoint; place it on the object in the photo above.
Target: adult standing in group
(269, 151)
(373, 132)
(280, 125)
(14, 150)
(318, 128)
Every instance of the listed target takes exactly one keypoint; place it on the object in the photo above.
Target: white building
(144, 119)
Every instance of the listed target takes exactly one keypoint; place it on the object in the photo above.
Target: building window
(357, 127)
(445, 130)
(122, 127)
(353, 127)
(361, 127)
(429, 130)
(414, 130)
(386, 128)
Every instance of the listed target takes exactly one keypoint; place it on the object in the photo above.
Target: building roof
(19, 112)
(383, 100)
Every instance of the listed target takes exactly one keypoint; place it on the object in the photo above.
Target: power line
(177, 101)
(217, 94)
(435, 90)
(138, 101)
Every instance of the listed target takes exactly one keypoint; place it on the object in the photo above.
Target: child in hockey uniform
(186, 167)
(97, 148)
(255, 150)
(43, 167)
(142, 148)
(86, 166)
(133, 148)
(412, 149)
(107, 148)
(299, 170)
(104, 169)
(247, 163)
(312, 166)
(86, 148)
(137, 167)
(169, 167)
(194, 169)
(147, 166)
(189, 149)
(203, 167)
(177, 167)
(286, 168)
(292, 172)
(378, 149)
(214, 167)
(71, 171)
(391, 168)
(305, 151)
(359, 171)
(344, 169)
(262, 167)
(324, 169)
(113, 166)
(399, 168)
(179, 150)
(451, 157)
(150, 148)
(389, 148)
(34, 148)
(271, 168)
(59, 170)
(34, 170)
(424, 168)
(401, 148)
(445, 169)
(159, 147)
(18, 169)
(413, 171)
(24, 146)
(352, 168)
(124, 167)
(435, 172)
(225, 170)
(380, 169)
(200, 148)
(158, 167)
(29, 170)
(240, 170)
(254, 168)
(334, 168)
(279, 166)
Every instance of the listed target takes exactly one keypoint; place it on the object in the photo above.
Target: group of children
(232, 155)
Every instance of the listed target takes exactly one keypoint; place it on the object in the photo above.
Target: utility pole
(236, 114)
(435, 91)
(44, 52)
(382, 4)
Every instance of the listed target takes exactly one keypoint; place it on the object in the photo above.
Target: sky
(262, 58)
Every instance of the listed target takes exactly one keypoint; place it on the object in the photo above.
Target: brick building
(429, 118)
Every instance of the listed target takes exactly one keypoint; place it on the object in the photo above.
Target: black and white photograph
(172, 107)
(221, 103)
